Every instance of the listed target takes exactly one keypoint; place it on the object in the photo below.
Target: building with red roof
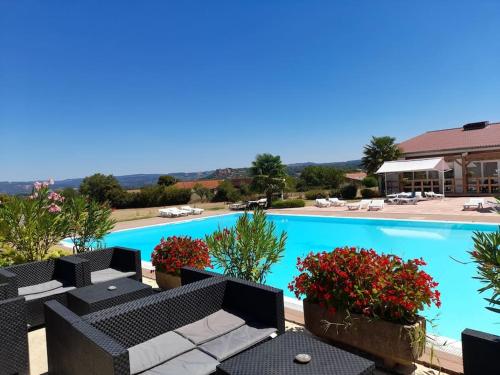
(471, 151)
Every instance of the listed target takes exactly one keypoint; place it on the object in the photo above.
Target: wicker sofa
(41, 281)
(112, 263)
(187, 330)
(14, 358)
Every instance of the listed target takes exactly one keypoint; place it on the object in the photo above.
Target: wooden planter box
(392, 342)
(167, 281)
(480, 352)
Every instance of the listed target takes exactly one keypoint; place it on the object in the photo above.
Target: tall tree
(99, 187)
(268, 175)
(318, 176)
(379, 149)
(166, 180)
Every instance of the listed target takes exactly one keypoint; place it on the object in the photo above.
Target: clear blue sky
(164, 86)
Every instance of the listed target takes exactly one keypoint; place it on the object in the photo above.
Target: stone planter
(480, 352)
(167, 280)
(392, 342)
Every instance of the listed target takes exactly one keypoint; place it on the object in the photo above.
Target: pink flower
(45, 184)
(37, 185)
(54, 208)
(53, 196)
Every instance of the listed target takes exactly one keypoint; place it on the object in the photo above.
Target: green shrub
(289, 203)
(370, 181)
(226, 192)
(349, 191)
(314, 194)
(335, 193)
(369, 193)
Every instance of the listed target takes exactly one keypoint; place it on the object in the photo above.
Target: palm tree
(379, 149)
(268, 174)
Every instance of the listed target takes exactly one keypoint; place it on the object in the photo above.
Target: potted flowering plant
(170, 255)
(366, 300)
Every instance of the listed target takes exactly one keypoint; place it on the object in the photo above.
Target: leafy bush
(152, 196)
(486, 255)
(370, 182)
(89, 222)
(249, 249)
(172, 254)
(226, 192)
(166, 180)
(314, 194)
(364, 282)
(100, 187)
(32, 225)
(369, 193)
(349, 191)
(321, 176)
(289, 203)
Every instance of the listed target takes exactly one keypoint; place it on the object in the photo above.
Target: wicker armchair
(14, 358)
(112, 263)
(105, 341)
(41, 281)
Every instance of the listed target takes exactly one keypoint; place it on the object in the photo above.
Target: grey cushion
(39, 288)
(194, 362)
(210, 327)
(153, 352)
(48, 293)
(108, 274)
(236, 341)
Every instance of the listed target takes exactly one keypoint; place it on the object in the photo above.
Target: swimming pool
(436, 242)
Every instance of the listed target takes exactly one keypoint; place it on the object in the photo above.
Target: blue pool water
(436, 242)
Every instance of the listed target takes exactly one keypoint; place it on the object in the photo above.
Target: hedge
(314, 194)
(369, 193)
(349, 191)
(288, 203)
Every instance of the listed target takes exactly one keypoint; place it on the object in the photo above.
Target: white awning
(430, 164)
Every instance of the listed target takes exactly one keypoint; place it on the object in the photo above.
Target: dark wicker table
(276, 356)
(97, 297)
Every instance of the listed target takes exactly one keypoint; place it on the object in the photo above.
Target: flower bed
(364, 282)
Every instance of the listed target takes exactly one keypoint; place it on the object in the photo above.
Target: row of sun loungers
(370, 204)
(259, 203)
(183, 211)
(335, 202)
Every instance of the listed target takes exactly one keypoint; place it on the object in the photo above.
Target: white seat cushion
(108, 274)
(39, 288)
(236, 341)
(154, 352)
(194, 362)
(210, 327)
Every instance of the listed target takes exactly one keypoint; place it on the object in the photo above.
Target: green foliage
(249, 249)
(158, 195)
(69, 193)
(89, 222)
(379, 149)
(269, 175)
(4, 198)
(226, 192)
(203, 192)
(320, 176)
(166, 180)
(315, 194)
(101, 188)
(349, 191)
(288, 203)
(369, 193)
(486, 255)
(370, 181)
(30, 226)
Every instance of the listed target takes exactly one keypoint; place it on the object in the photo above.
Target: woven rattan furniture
(42, 281)
(97, 297)
(14, 357)
(277, 357)
(112, 263)
(100, 342)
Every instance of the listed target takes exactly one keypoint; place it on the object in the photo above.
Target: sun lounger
(193, 210)
(413, 200)
(432, 195)
(419, 196)
(321, 202)
(238, 206)
(364, 203)
(336, 202)
(376, 204)
(172, 212)
(475, 203)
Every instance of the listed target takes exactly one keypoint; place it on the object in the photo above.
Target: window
(474, 169)
(490, 169)
(433, 175)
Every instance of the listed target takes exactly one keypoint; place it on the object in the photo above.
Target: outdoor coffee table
(277, 356)
(97, 297)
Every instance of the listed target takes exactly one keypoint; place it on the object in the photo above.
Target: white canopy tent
(415, 165)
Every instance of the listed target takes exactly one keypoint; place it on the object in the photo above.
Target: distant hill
(135, 181)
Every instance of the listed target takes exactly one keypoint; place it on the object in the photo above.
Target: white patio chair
(376, 205)
(321, 202)
(336, 202)
(475, 203)
(364, 203)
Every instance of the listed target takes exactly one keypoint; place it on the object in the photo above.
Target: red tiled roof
(210, 184)
(453, 139)
(358, 176)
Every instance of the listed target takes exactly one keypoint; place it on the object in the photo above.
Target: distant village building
(472, 153)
